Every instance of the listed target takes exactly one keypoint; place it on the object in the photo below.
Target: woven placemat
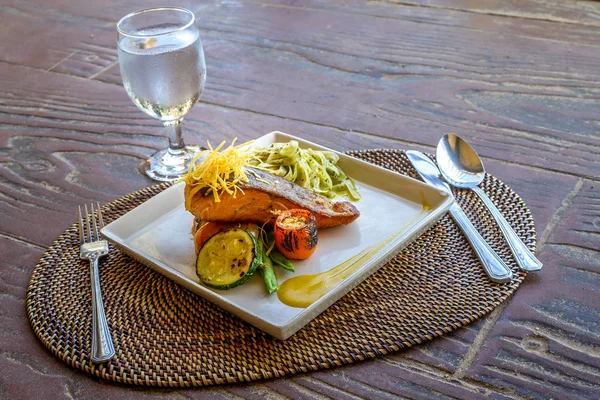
(166, 335)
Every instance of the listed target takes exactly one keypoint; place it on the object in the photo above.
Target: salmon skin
(263, 196)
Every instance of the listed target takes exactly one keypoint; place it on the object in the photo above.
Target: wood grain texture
(53, 159)
(507, 98)
(531, 102)
(578, 13)
(77, 38)
(518, 79)
(547, 341)
(22, 357)
(461, 16)
(580, 224)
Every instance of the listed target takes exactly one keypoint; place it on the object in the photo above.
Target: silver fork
(92, 248)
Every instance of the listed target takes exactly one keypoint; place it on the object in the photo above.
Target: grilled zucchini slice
(228, 259)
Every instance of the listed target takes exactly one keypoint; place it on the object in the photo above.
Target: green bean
(280, 260)
(268, 273)
(266, 267)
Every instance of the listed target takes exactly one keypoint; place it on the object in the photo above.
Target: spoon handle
(526, 260)
(496, 269)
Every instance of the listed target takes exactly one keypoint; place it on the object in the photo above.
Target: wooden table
(520, 80)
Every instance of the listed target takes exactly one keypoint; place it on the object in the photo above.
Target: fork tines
(86, 234)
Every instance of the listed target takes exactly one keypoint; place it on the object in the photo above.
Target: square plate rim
(285, 330)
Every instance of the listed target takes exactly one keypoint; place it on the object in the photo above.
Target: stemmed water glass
(163, 69)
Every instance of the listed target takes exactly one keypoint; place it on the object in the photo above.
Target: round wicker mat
(167, 336)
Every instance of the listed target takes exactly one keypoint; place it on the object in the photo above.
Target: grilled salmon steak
(263, 195)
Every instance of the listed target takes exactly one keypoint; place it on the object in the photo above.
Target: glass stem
(175, 135)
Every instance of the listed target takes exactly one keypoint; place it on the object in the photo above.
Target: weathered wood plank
(77, 41)
(579, 12)
(71, 37)
(362, 36)
(17, 261)
(539, 28)
(324, 389)
(508, 99)
(381, 379)
(512, 106)
(445, 354)
(17, 371)
(547, 340)
(580, 224)
(20, 351)
(272, 390)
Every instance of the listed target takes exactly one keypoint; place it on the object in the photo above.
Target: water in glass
(163, 69)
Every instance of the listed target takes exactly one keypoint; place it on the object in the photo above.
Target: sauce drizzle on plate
(301, 291)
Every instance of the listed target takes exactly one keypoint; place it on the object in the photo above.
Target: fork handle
(102, 345)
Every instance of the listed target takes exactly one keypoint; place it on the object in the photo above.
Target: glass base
(168, 165)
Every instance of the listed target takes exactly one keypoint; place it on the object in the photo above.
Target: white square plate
(158, 234)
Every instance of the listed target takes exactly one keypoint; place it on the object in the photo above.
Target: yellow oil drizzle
(424, 203)
(301, 291)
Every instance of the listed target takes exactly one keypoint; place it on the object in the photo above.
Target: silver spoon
(461, 167)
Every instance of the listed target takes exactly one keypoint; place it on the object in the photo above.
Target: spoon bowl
(459, 163)
(461, 167)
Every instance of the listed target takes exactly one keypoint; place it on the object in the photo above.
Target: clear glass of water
(163, 69)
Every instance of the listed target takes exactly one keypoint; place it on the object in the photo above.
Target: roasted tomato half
(296, 234)
(206, 230)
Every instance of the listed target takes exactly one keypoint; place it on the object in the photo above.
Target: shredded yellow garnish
(220, 171)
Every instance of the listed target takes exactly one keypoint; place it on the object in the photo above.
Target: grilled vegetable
(265, 267)
(280, 260)
(202, 231)
(268, 273)
(228, 258)
(296, 234)
(205, 231)
(276, 257)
